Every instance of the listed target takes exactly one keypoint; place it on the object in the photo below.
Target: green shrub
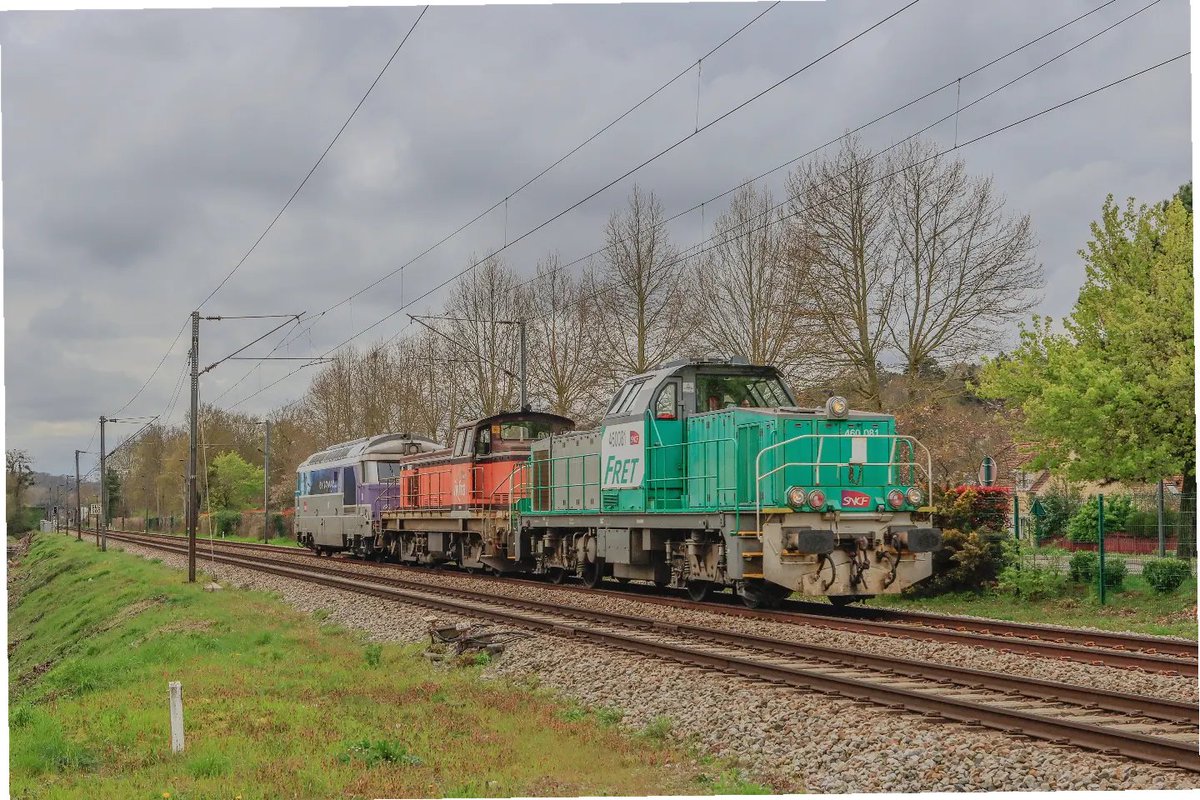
(966, 562)
(1083, 566)
(226, 522)
(1031, 583)
(1085, 525)
(1060, 504)
(1115, 571)
(1165, 574)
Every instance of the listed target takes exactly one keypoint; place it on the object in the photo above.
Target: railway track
(1127, 651)
(1143, 728)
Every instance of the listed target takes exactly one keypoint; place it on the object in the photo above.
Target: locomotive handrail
(759, 475)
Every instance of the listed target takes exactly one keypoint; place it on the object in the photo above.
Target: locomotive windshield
(714, 392)
(526, 430)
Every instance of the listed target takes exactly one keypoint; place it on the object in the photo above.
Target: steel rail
(1026, 630)
(1163, 751)
(1161, 655)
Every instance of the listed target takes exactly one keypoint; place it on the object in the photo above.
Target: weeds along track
(1156, 654)
(1147, 729)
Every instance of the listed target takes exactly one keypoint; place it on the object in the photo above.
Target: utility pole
(102, 526)
(524, 374)
(191, 498)
(78, 501)
(267, 481)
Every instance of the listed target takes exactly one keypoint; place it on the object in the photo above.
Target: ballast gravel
(1171, 687)
(790, 739)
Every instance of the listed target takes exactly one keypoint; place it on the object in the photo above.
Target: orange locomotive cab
(452, 505)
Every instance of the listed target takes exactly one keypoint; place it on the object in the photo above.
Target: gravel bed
(1116, 679)
(790, 739)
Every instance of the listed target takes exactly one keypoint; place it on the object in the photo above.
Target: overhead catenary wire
(508, 196)
(723, 116)
(276, 218)
(320, 158)
(958, 109)
(688, 252)
(960, 146)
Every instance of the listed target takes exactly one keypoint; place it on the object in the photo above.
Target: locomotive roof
(688, 368)
(516, 416)
(383, 444)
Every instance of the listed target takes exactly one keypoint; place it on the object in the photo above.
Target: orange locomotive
(398, 497)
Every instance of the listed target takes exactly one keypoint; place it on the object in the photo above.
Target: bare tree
(843, 240)
(638, 291)
(482, 310)
(562, 366)
(963, 269)
(330, 401)
(753, 297)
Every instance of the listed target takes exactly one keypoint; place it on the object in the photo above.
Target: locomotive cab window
(483, 443)
(525, 430)
(624, 401)
(717, 392)
(668, 399)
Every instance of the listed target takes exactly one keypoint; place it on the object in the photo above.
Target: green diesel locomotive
(704, 474)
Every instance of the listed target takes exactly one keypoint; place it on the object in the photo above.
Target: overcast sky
(145, 151)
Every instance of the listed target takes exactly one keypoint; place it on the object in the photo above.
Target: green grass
(1135, 608)
(278, 704)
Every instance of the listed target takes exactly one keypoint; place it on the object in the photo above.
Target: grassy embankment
(279, 705)
(1136, 607)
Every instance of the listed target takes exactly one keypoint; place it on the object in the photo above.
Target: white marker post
(176, 716)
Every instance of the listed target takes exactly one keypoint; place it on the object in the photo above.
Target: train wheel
(699, 591)
(765, 596)
(556, 574)
(593, 574)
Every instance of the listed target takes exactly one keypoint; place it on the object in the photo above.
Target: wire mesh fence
(1135, 524)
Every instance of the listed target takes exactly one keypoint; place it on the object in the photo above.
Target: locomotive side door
(666, 451)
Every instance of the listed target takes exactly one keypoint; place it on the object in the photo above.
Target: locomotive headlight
(796, 496)
(914, 496)
(816, 499)
(895, 498)
(837, 407)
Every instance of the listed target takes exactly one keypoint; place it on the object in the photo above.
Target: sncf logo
(853, 499)
(634, 438)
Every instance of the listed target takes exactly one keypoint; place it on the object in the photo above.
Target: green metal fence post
(1016, 516)
(1100, 503)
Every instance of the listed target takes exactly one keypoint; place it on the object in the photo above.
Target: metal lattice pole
(267, 481)
(193, 511)
(102, 527)
(78, 502)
